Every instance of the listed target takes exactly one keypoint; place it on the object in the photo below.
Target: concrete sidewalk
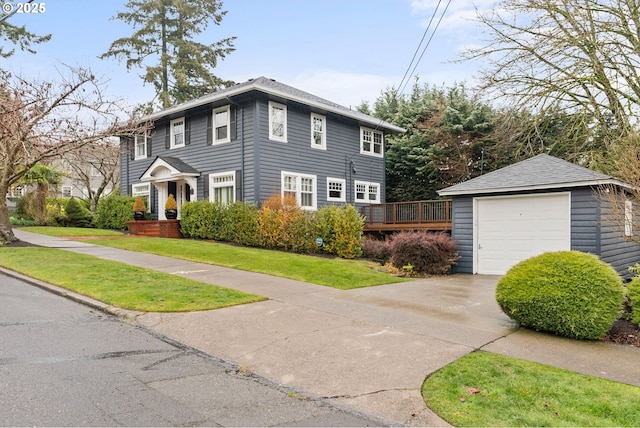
(369, 349)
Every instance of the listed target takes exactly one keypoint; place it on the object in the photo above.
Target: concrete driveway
(369, 348)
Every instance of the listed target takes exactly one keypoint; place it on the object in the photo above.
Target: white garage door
(511, 229)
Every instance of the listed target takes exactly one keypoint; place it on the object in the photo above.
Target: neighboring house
(534, 206)
(255, 140)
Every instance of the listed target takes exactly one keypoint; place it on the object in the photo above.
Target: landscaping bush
(376, 249)
(340, 227)
(275, 219)
(567, 293)
(633, 289)
(77, 214)
(202, 220)
(427, 253)
(240, 223)
(114, 211)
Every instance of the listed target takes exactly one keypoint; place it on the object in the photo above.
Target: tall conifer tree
(163, 44)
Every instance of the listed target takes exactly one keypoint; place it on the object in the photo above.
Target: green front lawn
(119, 284)
(328, 271)
(486, 389)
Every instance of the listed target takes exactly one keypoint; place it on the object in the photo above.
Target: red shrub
(376, 249)
(428, 253)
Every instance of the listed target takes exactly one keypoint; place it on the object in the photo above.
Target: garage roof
(539, 172)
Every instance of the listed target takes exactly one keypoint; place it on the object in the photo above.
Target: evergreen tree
(179, 67)
(19, 36)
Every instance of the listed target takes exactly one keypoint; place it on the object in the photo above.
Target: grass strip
(486, 389)
(119, 284)
(333, 272)
(71, 231)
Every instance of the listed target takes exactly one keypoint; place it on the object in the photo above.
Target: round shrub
(567, 293)
(634, 297)
(77, 214)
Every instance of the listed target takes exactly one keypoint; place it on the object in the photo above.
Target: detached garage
(538, 205)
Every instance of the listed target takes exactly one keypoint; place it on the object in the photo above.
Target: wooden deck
(432, 215)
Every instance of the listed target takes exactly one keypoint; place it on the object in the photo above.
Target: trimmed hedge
(114, 211)
(567, 293)
(276, 225)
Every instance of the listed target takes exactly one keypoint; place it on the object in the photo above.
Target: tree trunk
(6, 232)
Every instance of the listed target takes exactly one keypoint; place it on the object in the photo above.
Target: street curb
(76, 297)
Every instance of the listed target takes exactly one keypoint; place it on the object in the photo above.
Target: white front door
(510, 229)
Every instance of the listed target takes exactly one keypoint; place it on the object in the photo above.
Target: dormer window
(177, 132)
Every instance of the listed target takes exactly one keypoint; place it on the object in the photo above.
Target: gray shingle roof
(179, 165)
(539, 172)
(277, 89)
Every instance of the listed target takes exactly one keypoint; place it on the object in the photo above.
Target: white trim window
(336, 189)
(277, 122)
(367, 192)
(177, 132)
(301, 186)
(144, 191)
(221, 125)
(318, 131)
(222, 187)
(140, 143)
(628, 218)
(371, 142)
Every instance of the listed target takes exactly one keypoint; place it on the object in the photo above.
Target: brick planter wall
(155, 228)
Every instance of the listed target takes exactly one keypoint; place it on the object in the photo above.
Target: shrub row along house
(251, 141)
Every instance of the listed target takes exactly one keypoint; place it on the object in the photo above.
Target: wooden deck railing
(415, 215)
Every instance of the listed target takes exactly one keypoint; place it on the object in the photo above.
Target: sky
(347, 51)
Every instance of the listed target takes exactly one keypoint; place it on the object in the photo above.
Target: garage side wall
(462, 232)
(616, 249)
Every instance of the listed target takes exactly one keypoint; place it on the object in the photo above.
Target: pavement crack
(366, 394)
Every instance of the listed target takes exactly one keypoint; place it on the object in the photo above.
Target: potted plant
(139, 208)
(171, 208)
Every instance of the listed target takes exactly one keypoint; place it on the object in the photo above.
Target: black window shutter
(210, 129)
(233, 120)
(132, 148)
(205, 187)
(187, 132)
(149, 145)
(167, 137)
(239, 196)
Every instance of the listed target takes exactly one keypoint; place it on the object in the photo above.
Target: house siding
(462, 232)
(258, 161)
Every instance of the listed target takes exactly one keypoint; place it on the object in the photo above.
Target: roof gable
(277, 89)
(539, 172)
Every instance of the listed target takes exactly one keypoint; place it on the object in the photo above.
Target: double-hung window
(318, 131)
(367, 192)
(144, 191)
(277, 122)
(177, 132)
(221, 125)
(371, 142)
(301, 186)
(336, 190)
(223, 188)
(140, 143)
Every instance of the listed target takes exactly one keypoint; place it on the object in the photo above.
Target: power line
(407, 74)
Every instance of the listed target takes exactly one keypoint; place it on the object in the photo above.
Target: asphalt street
(64, 364)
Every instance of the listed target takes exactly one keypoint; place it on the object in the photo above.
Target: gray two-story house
(254, 140)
